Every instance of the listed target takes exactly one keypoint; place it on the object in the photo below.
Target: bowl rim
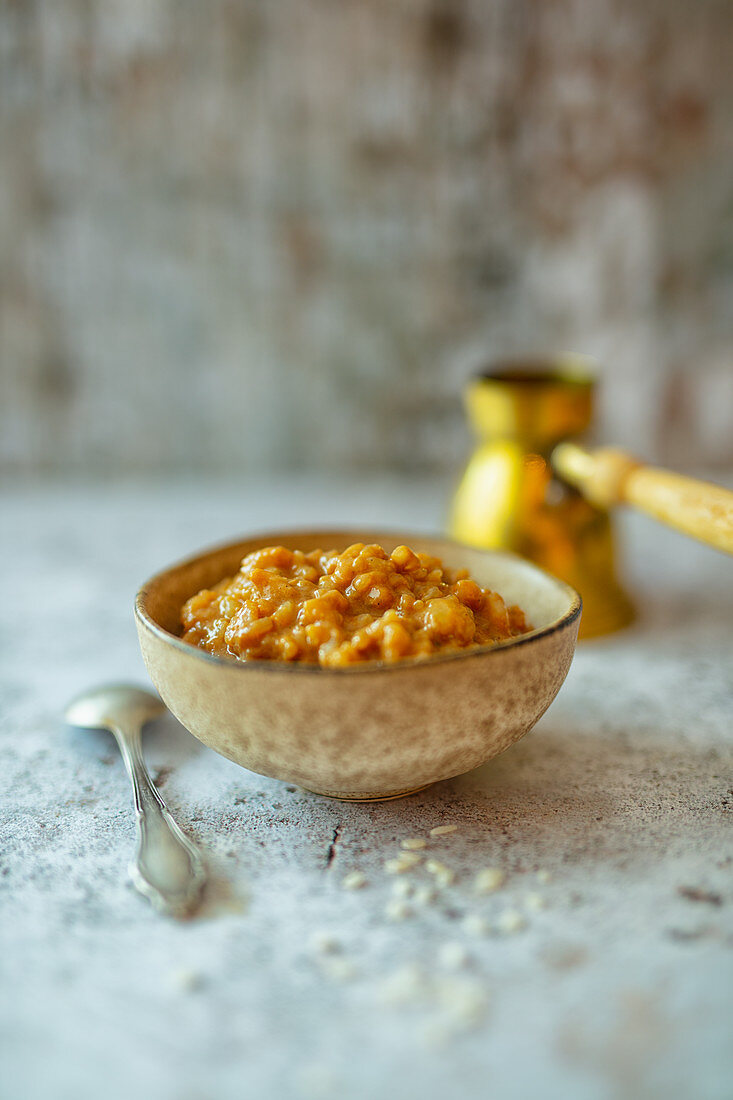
(303, 668)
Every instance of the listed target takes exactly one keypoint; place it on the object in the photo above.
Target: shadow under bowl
(370, 731)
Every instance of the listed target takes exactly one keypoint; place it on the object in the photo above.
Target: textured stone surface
(620, 987)
(220, 222)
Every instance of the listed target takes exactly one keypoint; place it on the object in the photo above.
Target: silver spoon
(167, 867)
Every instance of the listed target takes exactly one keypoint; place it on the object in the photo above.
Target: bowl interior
(544, 599)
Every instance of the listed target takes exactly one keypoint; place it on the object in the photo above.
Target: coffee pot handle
(609, 476)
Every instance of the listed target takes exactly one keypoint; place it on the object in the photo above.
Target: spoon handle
(167, 867)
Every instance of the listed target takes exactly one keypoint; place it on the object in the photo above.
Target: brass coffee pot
(527, 417)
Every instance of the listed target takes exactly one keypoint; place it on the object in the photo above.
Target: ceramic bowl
(372, 731)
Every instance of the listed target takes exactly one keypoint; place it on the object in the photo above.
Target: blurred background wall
(240, 234)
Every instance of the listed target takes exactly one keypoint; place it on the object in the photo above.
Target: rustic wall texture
(243, 233)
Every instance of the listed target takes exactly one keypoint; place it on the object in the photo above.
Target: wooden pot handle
(607, 477)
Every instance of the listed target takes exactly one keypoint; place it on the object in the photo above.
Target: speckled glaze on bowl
(372, 731)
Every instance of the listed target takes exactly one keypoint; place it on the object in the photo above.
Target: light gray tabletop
(608, 974)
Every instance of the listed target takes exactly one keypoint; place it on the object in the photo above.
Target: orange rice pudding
(340, 609)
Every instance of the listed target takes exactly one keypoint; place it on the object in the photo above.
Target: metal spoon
(167, 867)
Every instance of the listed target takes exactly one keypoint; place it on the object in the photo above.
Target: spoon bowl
(370, 731)
(103, 707)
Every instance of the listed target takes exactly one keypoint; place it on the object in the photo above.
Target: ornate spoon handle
(167, 867)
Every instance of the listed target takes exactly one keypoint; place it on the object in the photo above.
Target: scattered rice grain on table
(475, 925)
(405, 861)
(404, 986)
(452, 955)
(488, 880)
(511, 921)
(188, 981)
(463, 999)
(338, 969)
(402, 888)
(355, 880)
(324, 943)
(443, 875)
(435, 867)
(535, 902)
(397, 910)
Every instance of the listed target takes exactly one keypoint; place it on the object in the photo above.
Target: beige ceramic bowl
(371, 731)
